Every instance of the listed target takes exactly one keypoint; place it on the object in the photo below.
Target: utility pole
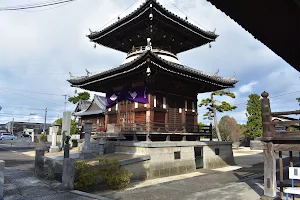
(45, 121)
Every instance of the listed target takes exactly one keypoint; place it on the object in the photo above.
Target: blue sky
(40, 48)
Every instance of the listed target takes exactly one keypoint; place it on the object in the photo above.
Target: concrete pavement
(20, 183)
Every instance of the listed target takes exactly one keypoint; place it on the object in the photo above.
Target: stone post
(54, 147)
(68, 173)
(39, 162)
(2, 165)
(86, 151)
(87, 136)
(66, 126)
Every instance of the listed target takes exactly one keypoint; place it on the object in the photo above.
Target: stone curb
(89, 195)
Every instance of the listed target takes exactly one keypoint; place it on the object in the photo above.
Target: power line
(22, 107)
(35, 5)
(117, 15)
(35, 92)
(33, 98)
(188, 16)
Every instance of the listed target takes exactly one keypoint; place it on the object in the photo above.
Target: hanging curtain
(137, 94)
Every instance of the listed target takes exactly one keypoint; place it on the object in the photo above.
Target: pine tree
(80, 96)
(213, 107)
(254, 123)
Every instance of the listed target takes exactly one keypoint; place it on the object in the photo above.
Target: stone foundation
(164, 162)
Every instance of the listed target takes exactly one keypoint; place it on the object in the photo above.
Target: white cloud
(248, 87)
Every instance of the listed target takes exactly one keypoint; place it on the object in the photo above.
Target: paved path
(242, 183)
(20, 183)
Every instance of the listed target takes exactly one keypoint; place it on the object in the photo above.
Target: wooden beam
(295, 112)
(281, 173)
(276, 147)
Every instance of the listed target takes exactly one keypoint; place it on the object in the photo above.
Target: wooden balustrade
(271, 129)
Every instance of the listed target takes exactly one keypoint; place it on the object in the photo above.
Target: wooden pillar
(210, 131)
(268, 131)
(281, 173)
(269, 172)
(291, 158)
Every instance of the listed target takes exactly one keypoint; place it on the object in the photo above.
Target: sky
(40, 47)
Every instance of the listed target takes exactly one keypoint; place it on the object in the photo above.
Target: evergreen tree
(73, 129)
(80, 96)
(254, 123)
(212, 107)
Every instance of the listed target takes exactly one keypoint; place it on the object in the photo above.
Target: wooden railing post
(266, 115)
(211, 132)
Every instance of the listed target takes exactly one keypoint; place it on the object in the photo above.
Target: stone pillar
(87, 136)
(66, 126)
(168, 138)
(269, 172)
(86, 151)
(39, 162)
(54, 147)
(183, 138)
(2, 165)
(68, 173)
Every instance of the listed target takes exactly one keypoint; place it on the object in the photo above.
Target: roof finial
(87, 72)
(217, 72)
(234, 75)
(71, 75)
(149, 44)
(90, 30)
(186, 18)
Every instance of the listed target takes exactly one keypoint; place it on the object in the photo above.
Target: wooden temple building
(151, 93)
(93, 111)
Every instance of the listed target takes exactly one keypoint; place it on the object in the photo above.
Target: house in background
(19, 127)
(281, 128)
(93, 111)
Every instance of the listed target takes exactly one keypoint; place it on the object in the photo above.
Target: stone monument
(54, 147)
(86, 151)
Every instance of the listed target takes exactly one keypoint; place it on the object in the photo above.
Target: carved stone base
(270, 198)
(54, 149)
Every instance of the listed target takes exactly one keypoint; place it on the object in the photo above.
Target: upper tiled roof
(132, 14)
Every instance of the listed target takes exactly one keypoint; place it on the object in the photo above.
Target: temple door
(126, 114)
(174, 116)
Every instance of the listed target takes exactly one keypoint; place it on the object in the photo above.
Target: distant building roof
(97, 106)
(82, 105)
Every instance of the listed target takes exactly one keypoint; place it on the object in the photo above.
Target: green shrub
(113, 174)
(85, 176)
(43, 137)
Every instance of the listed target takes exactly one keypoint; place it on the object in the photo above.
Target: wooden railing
(270, 128)
(166, 128)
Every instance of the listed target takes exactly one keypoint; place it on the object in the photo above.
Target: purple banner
(112, 98)
(138, 94)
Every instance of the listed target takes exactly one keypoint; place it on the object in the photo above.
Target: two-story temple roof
(152, 36)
